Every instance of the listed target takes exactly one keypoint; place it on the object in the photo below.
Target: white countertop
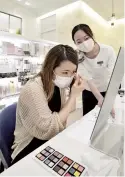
(73, 149)
(74, 143)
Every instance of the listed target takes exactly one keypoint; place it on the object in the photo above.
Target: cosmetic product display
(59, 164)
(20, 59)
(9, 87)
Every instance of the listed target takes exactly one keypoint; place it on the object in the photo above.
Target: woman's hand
(100, 101)
(78, 86)
(113, 112)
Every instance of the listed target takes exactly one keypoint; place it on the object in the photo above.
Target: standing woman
(96, 63)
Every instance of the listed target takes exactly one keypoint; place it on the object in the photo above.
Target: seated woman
(42, 109)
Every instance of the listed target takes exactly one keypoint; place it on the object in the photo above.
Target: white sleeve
(83, 72)
(111, 61)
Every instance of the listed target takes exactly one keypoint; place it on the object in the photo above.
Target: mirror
(107, 136)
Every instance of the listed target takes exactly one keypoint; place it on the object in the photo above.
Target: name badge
(100, 63)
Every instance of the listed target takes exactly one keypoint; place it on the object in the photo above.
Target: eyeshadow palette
(59, 164)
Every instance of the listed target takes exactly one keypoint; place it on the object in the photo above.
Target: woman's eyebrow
(65, 70)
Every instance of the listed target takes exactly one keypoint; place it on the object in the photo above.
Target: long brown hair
(54, 58)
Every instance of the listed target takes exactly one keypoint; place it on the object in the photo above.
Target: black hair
(84, 28)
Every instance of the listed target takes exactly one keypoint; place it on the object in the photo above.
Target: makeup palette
(59, 164)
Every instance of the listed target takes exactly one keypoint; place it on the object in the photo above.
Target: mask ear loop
(73, 81)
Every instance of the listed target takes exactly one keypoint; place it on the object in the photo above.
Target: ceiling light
(19, 0)
(113, 17)
(113, 20)
(27, 3)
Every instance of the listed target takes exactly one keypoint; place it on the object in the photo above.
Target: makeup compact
(59, 164)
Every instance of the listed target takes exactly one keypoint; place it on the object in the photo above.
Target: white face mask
(62, 82)
(86, 46)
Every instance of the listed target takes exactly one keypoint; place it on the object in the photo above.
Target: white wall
(74, 14)
(68, 18)
(48, 28)
(29, 20)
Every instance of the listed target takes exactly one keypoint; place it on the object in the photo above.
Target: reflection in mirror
(107, 135)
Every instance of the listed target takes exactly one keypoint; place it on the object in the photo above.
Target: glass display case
(20, 59)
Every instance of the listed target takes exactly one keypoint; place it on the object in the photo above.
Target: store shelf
(22, 56)
(8, 101)
(10, 37)
(10, 63)
(9, 78)
(11, 95)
